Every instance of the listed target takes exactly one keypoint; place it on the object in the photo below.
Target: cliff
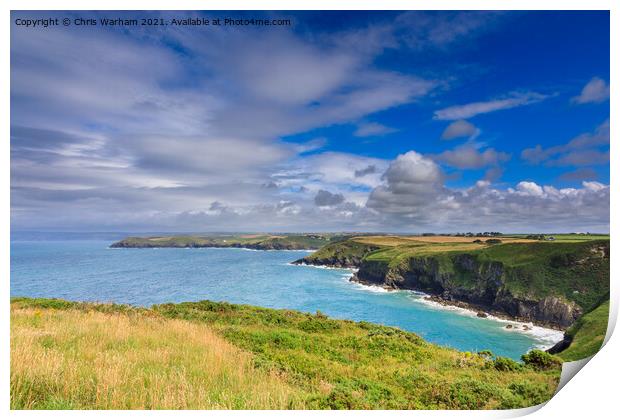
(585, 337)
(551, 284)
(343, 254)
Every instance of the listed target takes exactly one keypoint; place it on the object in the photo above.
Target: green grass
(344, 251)
(587, 334)
(305, 360)
(578, 238)
(578, 271)
(284, 241)
(575, 270)
(81, 356)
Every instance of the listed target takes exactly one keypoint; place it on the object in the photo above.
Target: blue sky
(379, 121)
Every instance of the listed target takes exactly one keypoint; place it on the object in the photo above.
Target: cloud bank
(144, 131)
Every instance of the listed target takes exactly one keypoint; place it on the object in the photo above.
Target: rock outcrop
(479, 285)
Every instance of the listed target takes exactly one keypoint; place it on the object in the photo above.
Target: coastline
(550, 335)
(325, 266)
(210, 247)
(479, 310)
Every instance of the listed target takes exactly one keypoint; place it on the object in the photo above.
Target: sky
(342, 121)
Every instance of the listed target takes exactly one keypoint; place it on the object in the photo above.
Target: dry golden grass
(80, 355)
(77, 359)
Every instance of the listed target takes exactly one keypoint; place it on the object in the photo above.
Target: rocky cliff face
(481, 285)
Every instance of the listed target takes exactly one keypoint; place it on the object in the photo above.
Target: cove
(88, 270)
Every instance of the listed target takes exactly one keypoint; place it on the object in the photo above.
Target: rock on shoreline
(481, 311)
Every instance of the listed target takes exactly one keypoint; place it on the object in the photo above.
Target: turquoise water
(90, 271)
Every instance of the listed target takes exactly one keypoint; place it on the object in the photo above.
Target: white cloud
(460, 128)
(372, 129)
(112, 121)
(596, 90)
(469, 157)
(411, 170)
(414, 184)
(325, 198)
(428, 204)
(595, 186)
(512, 100)
(583, 150)
(289, 71)
(332, 170)
(530, 188)
(117, 131)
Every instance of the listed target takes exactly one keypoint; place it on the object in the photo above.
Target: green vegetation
(342, 253)
(80, 355)
(575, 270)
(505, 364)
(255, 241)
(540, 360)
(587, 334)
(565, 237)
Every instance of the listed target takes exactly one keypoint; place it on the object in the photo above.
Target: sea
(89, 270)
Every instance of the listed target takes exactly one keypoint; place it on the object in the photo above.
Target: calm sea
(90, 271)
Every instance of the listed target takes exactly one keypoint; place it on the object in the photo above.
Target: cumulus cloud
(529, 188)
(469, 157)
(414, 183)
(412, 171)
(120, 131)
(415, 195)
(372, 129)
(110, 120)
(460, 128)
(583, 150)
(595, 91)
(512, 100)
(326, 198)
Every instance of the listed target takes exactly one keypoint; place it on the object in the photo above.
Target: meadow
(70, 355)
(587, 334)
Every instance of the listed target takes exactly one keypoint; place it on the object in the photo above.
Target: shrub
(541, 360)
(505, 364)
(493, 241)
(471, 394)
(535, 393)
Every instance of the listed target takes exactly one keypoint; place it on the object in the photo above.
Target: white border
(592, 394)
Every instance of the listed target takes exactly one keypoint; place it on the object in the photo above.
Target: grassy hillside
(576, 270)
(344, 253)
(587, 334)
(257, 241)
(127, 359)
(218, 355)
